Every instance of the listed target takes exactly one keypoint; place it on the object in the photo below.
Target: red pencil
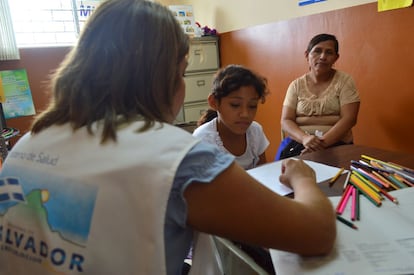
(342, 197)
(343, 203)
(353, 205)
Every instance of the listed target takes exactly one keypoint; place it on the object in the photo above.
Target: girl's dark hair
(320, 38)
(232, 78)
(120, 69)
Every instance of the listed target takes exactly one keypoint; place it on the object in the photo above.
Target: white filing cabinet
(203, 63)
(198, 86)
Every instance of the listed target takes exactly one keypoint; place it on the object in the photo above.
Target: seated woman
(320, 107)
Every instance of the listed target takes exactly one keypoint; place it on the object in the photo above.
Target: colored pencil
(392, 178)
(334, 178)
(380, 176)
(379, 190)
(392, 184)
(344, 200)
(353, 204)
(406, 169)
(346, 222)
(403, 180)
(347, 179)
(388, 196)
(392, 169)
(357, 204)
(372, 178)
(367, 182)
(363, 189)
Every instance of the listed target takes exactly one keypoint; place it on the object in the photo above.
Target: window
(8, 47)
(49, 22)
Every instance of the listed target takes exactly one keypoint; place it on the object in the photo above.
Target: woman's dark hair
(320, 38)
(120, 69)
(232, 78)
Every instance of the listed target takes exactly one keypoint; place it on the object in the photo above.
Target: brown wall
(377, 49)
(39, 63)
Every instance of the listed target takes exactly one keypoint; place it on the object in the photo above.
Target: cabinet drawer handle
(197, 52)
(201, 83)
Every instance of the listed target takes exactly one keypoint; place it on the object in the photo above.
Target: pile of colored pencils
(374, 179)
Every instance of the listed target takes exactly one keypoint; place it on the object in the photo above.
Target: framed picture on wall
(15, 94)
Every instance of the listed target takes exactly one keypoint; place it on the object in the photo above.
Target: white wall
(230, 15)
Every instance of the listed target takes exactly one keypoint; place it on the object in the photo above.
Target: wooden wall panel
(375, 48)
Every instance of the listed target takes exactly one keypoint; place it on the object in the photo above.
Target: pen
(334, 178)
(345, 221)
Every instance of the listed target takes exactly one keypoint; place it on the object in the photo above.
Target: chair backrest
(234, 260)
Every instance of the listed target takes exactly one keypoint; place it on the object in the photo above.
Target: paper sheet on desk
(382, 245)
(268, 174)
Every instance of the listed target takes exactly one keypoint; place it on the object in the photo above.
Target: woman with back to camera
(106, 183)
(321, 107)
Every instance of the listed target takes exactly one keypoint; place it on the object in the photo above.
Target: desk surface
(341, 156)
(367, 250)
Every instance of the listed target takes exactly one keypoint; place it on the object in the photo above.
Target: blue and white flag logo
(11, 190)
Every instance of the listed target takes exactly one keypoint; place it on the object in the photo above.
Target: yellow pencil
(334, 178)
(368, 192)
(373, 186)
(365, 187)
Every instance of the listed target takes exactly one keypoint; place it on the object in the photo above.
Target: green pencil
(346, 222)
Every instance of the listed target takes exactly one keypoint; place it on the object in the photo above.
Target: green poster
(17, 99)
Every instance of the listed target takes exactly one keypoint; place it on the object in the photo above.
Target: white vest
(88, 208)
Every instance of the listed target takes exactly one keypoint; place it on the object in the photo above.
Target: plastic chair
(233, 260)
